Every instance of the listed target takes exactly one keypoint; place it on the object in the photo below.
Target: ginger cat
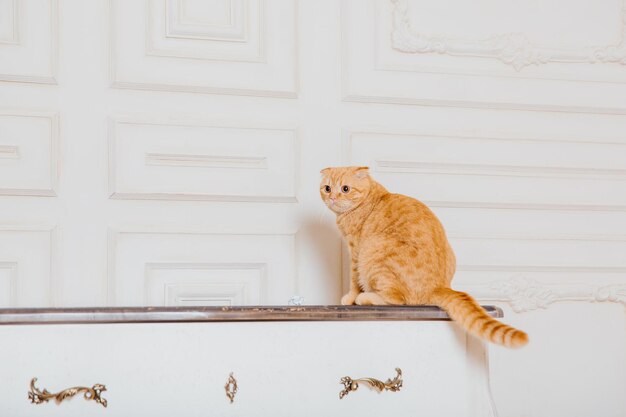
(400, 254)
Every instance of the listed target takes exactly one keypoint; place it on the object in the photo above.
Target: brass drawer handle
(38, 397)
(353, 384)
(231, 388)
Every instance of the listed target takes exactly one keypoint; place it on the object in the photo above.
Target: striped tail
(463, 309)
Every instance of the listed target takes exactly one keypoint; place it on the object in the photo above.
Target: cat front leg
(355, 288)
(354, 292)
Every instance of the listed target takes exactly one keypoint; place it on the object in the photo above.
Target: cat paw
(348, 299)
(369, 299)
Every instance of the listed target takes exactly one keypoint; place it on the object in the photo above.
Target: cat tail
(463, 309)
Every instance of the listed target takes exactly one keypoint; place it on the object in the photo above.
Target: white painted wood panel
(237, 37)
(210, 284)
(497, 171)
(28, 41)
(8, 284)
(200, 161)
(27, 275)
(145, 55)
(515, 35)
(575, 345)
(28, 153)
(281, 368)
(454, 54)
(8, 21)
(176, 268)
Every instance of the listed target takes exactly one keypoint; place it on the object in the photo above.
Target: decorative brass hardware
(231, 388)
(353, 384)
(94, 393)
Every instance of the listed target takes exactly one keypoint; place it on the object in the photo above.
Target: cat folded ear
(362, 172)
(325, 170)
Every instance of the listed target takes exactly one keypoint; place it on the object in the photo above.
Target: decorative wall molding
(524, 294)
(9, 33)
(180, 25)
(263, 53)
(204, 41)
(10, 269)
(549, 269)
(34, 282)
(193, 263)
(9, 152)
(183, 15)
(528, 287)
(378, 72)
(205, 294)
(510, 48)
(45, 77)
(256, 266)
(520, 171)
(206, 161)
(482, 105)
(13, 152)
(422, 166)
(201, 197)
(264, 164)
(206, 290)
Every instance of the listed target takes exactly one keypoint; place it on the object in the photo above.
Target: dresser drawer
(281, 368)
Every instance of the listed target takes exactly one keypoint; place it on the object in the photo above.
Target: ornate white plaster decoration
(524, 294)
(510, 48)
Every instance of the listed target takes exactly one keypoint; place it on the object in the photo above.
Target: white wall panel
(28, 153)
(28, 41)
(8, 21)
(196, 161)
(568, 293)
(208, 284)
(573, 365)
(503, 171)
(516, 56)
(516, 35)
(221, 16)
(27, 267)
(238, 39)
(152, 49)
(8, 284)
(177, 268)
(534, 272)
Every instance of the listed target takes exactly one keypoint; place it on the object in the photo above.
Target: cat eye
(345, 189)
(327, 188)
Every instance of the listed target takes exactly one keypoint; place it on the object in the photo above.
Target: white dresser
(285, 361)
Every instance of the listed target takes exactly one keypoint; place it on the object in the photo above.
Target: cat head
(344, 188)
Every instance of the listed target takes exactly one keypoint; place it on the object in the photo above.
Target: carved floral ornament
(513, 49)
(524, 294)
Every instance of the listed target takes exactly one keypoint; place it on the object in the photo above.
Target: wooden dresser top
(224, 314)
